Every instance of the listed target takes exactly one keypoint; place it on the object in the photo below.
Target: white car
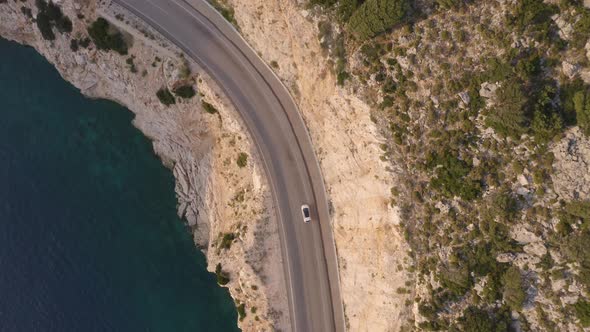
(305, 213)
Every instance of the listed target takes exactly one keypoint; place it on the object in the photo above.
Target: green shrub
(478, 320)
(531, 13)
(50, 15)
(579, 209)
(185, 91)
(577, 251)
(508, 117)
(26, 11)
(222, 277)
(63, 24)
(74, 45)
(503, 206)
(452, 178)
(241, 311)
(227, 12)
(582, 309)
(547, 119)
(581, 29)
(84, 42)
(45, 27)
(376, 16)
(346, 8)
(448, 4)
(166, 97)
(513, 291)
(581, 101)
(455, 280)
(106, 38)
(208, 107)
(227, 240)
(242, 159)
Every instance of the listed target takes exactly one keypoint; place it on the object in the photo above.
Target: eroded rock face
(372, 253)
(571, 176)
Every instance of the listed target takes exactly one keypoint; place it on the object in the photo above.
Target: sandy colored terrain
(371, 250)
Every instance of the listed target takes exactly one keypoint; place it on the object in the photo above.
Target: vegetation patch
(374, 17)
(209, 108)
(185, 91)
(226, 240)
(222, 276)
(166, 97)
(49, 16)
(107, 37)
(242, 159)
(225, 11)
(582, 309)
(241, 311)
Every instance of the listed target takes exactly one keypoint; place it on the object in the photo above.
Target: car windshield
(306, 212)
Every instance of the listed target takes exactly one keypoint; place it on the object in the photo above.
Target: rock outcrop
(571, 176)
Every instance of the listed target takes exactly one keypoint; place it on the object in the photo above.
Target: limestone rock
(571, 176)
(488, 90)
(569, 69)
(536, 249)
(520, 234)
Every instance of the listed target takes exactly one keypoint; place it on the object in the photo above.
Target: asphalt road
(272, 118)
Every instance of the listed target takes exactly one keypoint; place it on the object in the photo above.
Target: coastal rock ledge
(226, 203)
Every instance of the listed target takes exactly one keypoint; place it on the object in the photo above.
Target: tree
(105, 39)
(242, 159)
(346, 8)
(45, 27)
(222, 277)
(185, 91)
(63, 24)
(165, 97)
(513, 292)
(478, 320)
(508, 117)
(582, 309)
(376, 16)
(581, 102)
(452, 176)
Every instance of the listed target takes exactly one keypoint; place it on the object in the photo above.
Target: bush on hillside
(209, 108)
(45, 27)
(64, 24)
(222, 277)
(185, 91)
(50, 15)
(242, 159)
(452, 177)
(165, 97)
(582, 309)
(374, 17)
(513, 291)
(241, 311)
(534, 16)
(106, 38)
(581, 29)
(581, 101)
(508, 116)
(478, 320)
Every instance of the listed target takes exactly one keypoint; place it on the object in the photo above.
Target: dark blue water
(89, 238)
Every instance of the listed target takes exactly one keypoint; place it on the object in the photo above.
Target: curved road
(272, 118)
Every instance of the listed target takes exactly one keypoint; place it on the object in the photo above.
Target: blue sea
(89, 237)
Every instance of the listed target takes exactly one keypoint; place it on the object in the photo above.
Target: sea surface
(89, 237)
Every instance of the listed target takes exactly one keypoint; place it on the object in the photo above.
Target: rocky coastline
(225, 203)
